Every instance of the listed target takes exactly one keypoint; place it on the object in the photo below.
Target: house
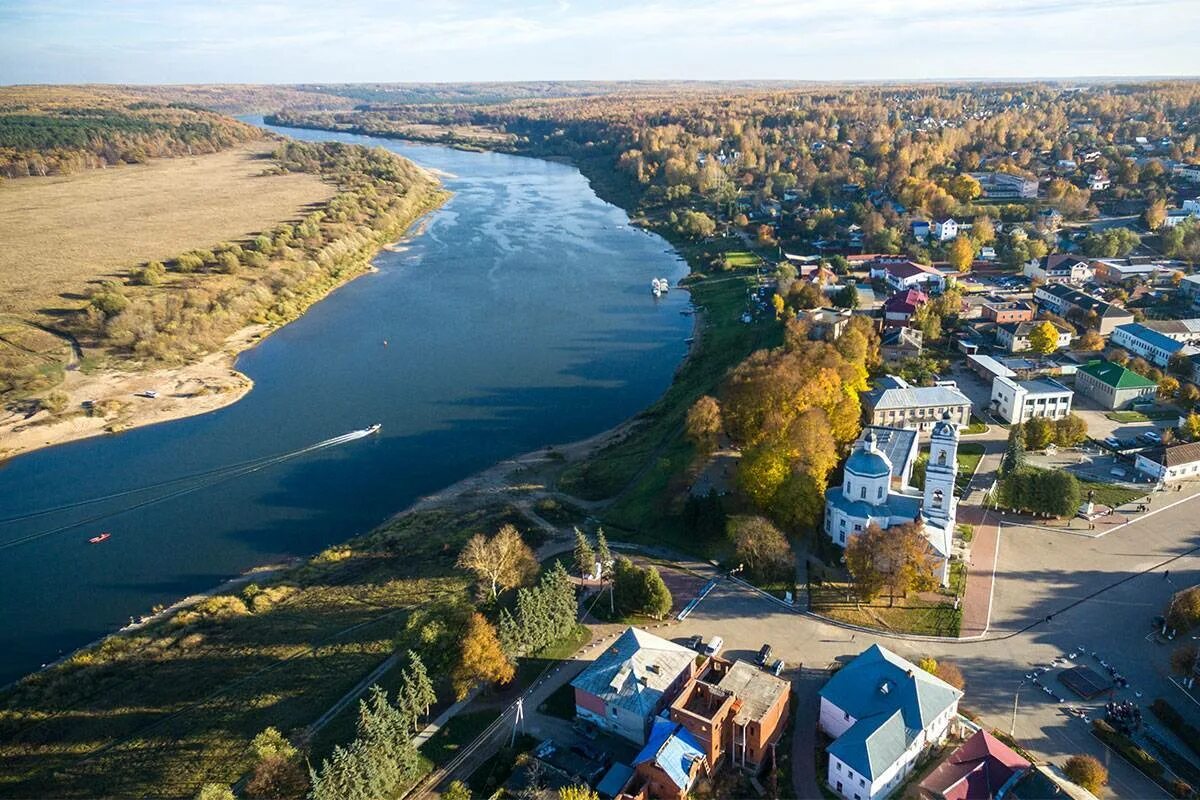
(1155, 347)
(1111, 385)
(1120, 270)
(982, 768)
(1170, 463)
(1019, 401)
(899, 344)
(882, 712)
(1014, 336)
(906, 275)
(735, 710)
(944, 229)
(1189, 287)
(867, 496)
(1060, 299)
(897, 403)
(1059, 268)
(920, 230)
(1175, 216)
(898, 310)
(632, 681)
(1189, 172)
(1004, 186)
(1003, 313)
(668, 766)
(1049, 219)
(988, 368)
(826, 324)
(1098, 182)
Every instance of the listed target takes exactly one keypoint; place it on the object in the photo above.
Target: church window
(942, 459)
(862, 493)
(879, 493)
(937, 498)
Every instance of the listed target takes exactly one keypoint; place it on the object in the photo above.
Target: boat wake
(186, 484)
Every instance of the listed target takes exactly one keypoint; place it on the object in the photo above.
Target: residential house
(1189, 172)
(898, 310)
(735, 710)
(900, 344)
(826, 323)
(911, 275)
(1019, 401)
(1176, 216)
(1098, 182)
(898, 404)
(1189, 287)
(1004, 186)
(1144, 342)
(1058, 298)
(982, 768)
(1059, 268)
(1170, 463)
(1111, 385)
(868, 497)
(632, 681)
(668, 766)
(1003, 313)
(920, 230)
(1014, 336)
(944, 229)
(1050, 219)
(882, 712)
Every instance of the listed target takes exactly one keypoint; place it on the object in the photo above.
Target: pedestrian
(1166, 574)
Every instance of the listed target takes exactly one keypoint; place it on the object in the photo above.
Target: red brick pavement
(977, 599)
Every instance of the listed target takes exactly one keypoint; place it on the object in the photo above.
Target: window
(862, 492)
(937, 498)
(847, 714)
(837, 765)
(879, 493)
(942, 458)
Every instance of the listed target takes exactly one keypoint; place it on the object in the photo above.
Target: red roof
(907, 301)
(975, 771)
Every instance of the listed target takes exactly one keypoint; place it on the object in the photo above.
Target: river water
(519, 316)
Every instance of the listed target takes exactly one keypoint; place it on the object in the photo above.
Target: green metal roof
(1116, 376)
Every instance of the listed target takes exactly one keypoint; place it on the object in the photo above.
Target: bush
(1183, 612)
(1189, 734)
(1086, 771)
(1135, 755)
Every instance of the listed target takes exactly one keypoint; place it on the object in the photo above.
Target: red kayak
(98, 539)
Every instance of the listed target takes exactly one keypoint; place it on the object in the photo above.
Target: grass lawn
(1110, 494)
(977, 426)
(969, 456)
(742, 258)
(1138, 416)
(912, 614)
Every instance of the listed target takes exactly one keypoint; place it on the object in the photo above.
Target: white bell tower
(940, 503)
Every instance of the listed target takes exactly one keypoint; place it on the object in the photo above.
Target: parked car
(1113, 442)
(695, 643)
(1152, 437)
(714, 646)
(764, 655)
(777, 667)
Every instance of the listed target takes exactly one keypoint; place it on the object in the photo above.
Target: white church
(876, 488)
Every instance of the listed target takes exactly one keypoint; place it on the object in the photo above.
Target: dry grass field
(59, 234)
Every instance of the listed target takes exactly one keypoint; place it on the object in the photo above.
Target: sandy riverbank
(185, 391)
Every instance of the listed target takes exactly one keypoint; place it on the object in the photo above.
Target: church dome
(866, 461)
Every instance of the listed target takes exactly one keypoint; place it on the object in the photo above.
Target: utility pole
(1012, 730)
(518, 720)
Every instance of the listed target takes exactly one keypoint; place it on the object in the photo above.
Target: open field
(57, 234)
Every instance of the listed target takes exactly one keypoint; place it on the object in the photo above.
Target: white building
(944, 229)
(1144, 342)
(1018, 401)
(1014, 336)
(1170, 463)
(867, 497)
(882, 712)
(1059, 268)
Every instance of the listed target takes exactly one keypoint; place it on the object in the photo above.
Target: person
(1166, 574)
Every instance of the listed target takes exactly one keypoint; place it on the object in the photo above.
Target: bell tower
(940, 503)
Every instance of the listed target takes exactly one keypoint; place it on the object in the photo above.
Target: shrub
(1183, 612)
(1189, 734)
(1135, 755)
(1086, 771)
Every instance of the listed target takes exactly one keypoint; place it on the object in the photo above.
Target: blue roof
(903, 506)
(1152, 337)
(887, 696)
(673, 749)
(868, 464)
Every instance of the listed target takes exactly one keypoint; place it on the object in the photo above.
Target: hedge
(1188, 733)
(1139, 758)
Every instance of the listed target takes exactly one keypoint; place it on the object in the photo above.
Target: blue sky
(204, 41)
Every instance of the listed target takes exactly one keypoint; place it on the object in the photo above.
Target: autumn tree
(983, 231)
(1155, 214)
(1091, 341)
(1087, 771)
(457, 790)
(703, 423)
(1191, 426)
(481, 659)
(1039, 432)
(949, 672)
(867, 577)
(961, 254)
(501, 562)
(577, 792)
(761, 547)
(1043, 339)
(1168, 387)
(897, 559)
(1070, 430)
(215, 791)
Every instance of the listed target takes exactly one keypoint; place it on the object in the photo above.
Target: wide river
(519, 316)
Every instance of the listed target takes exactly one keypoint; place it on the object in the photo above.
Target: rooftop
(898, 445)
(1115, 375)
(897, 393)
(1152, 337)
(635, 670)
(673, 749)
(1172, 455)
(757, 691)
(978, 769)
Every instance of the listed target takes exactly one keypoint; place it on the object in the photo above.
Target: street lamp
(1012, 730)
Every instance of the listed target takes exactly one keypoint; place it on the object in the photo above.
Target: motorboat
(104, 537)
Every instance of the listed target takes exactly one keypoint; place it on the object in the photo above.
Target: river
(519, 316)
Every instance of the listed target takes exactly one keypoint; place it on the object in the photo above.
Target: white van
(714, 646)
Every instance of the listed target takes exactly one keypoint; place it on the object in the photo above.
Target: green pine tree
(603, 555)
(585, 557)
